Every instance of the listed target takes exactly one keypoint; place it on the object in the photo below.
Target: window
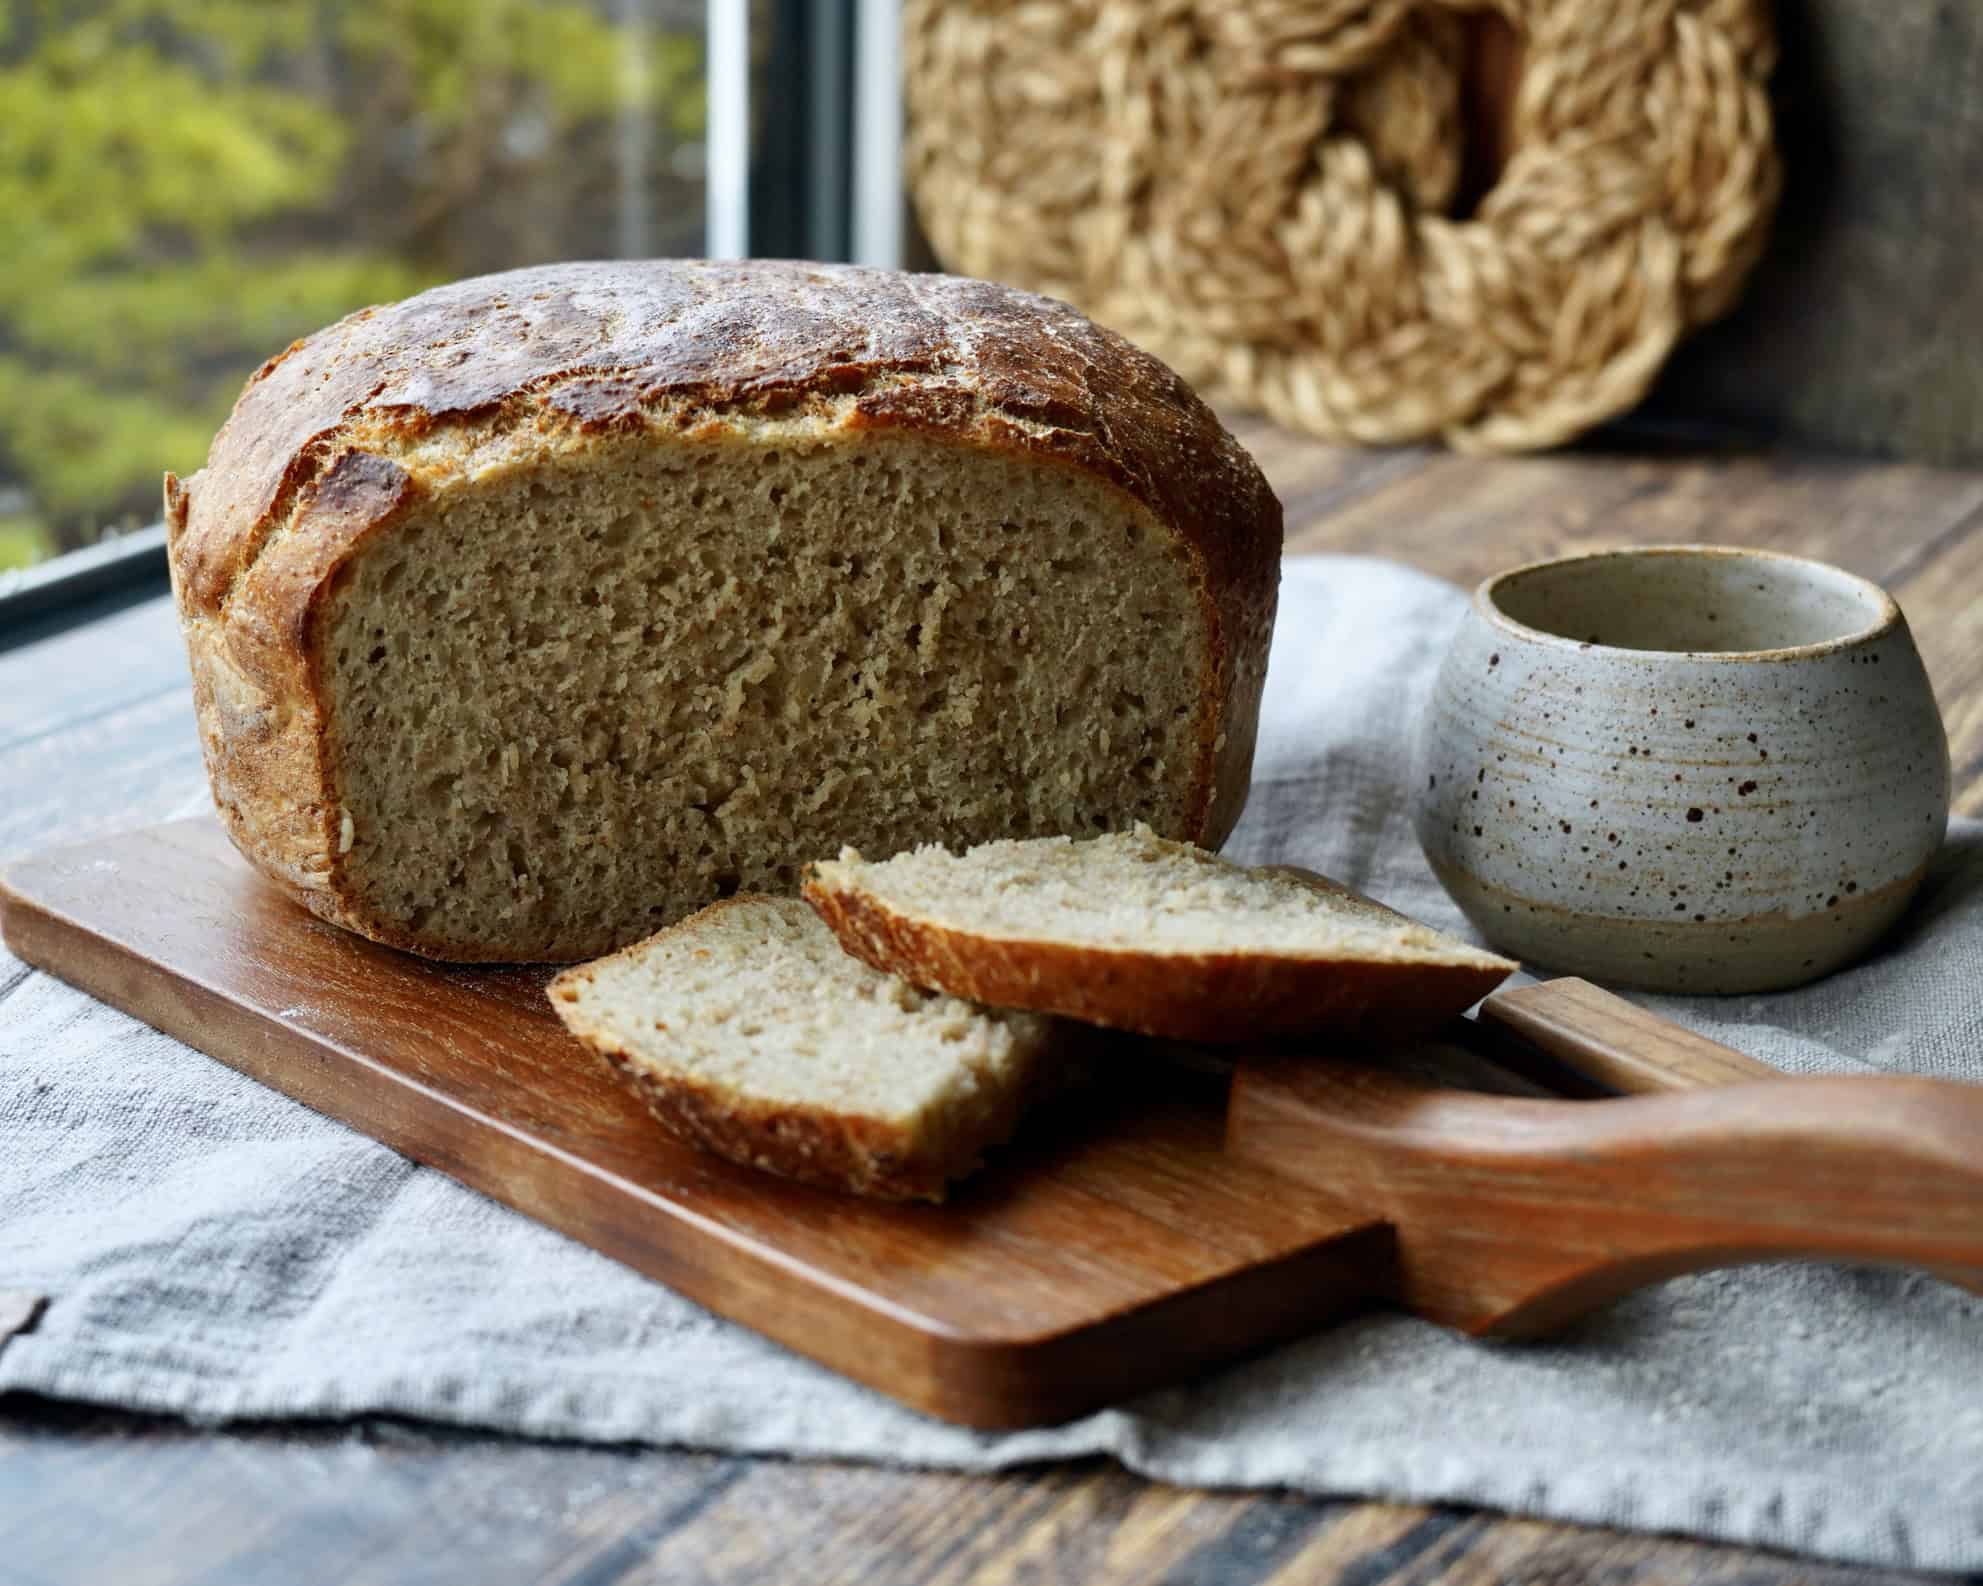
(191, 184)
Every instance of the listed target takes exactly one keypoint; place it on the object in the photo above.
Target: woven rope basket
(1259, 191)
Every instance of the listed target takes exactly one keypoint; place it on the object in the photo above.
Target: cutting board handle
(1615, 1042)
(1617, 1045)
(1514, 1216)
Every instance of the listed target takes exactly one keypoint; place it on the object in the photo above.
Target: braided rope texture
(1259, 191)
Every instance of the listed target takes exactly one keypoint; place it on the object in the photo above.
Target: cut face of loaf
(1137, 933)
(526, 670)
(748, 1031)
(618, 687)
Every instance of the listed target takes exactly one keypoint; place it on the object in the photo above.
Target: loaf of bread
(1138, 933)
(537, 611)
(748, 1031)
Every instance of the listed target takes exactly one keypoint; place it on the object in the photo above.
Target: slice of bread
(748, 1031)
(1139, 933)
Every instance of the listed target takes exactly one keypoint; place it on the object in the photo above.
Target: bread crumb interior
(1136, 891)
(575, 701)
(757, 999)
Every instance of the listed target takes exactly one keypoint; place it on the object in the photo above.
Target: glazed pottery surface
(1686, 768)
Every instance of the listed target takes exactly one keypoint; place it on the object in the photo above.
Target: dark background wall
(1862, 329)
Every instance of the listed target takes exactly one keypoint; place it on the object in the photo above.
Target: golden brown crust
(255, 688)
(857, 1155)
(1220, 998)
(603, 344)
(296, 481)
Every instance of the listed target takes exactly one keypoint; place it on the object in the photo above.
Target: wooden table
(95, 718)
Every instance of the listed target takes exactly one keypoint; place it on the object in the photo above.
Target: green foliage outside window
(188, 185)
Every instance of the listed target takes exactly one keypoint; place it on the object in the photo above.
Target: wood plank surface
(107, 1497)
(1916, 529)
(388, 1504)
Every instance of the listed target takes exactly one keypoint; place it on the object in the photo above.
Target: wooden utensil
(1514, 1215)
(1100, 1255)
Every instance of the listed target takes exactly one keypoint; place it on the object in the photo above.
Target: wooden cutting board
(1103, 1253)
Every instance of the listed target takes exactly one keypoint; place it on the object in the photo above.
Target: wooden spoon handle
(1513, 1216)
(1616, 1042)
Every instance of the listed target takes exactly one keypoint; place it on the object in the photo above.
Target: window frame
(80, 585)
(792, 194)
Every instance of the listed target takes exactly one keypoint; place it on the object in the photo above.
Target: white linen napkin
(212, 1249)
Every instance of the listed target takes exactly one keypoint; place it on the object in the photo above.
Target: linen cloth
(212, 1249)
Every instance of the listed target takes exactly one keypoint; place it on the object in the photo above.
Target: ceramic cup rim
(1887, 616)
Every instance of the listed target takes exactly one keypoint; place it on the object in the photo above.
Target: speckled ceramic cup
(1684, 769)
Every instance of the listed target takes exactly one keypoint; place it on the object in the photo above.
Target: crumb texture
(1136, 891)
(577, 700)
(750, 1030)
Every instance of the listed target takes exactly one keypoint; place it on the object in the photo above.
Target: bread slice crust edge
(1218, 998)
